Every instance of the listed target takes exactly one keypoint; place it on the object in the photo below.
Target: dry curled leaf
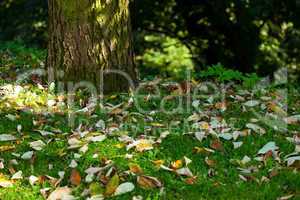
(148, 182)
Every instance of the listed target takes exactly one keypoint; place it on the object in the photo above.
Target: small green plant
(250, 80)
(220, 73)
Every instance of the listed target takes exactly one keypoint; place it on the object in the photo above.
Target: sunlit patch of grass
(219, 181)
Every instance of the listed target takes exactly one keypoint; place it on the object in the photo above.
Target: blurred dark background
(170, 36)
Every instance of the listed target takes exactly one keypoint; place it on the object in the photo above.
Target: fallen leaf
(256, 128)
(191, 180)
(61, 193)
(200, 136)
(27, 155)
(96, 189)
(33, 179)
(245, 160)
(158, 163)
(270, 146)
(37, 145)
(286, 197)
(237, 144)
(112, 185)
(45, 133)
(252, 103)
(187, 161)
(11, 117)
(124, 188)
(7, 137)
(225, 136)
(98, 138)
(134, 168)
(203, 150)
(221, 106)
(148, 182)
(184, 172)
(292, 119)
(7, 148)
(75, 177)
(93, 170)
(17, 175)
(176, 164)
(73, 164)
(210, 162)
(96, 197)
(276, 109)
(141, 145)
(4, 182)
(292, 160)
(217, 145)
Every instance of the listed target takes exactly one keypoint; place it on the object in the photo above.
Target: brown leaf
(148, 182)
(75, 177)
(210, 163)
(273, 173)
(221, 105)
(191, 180)
(116, 111)
(134, 168)
(11, 170)
(217, 145)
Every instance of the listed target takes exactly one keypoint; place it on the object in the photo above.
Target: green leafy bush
(220, 73)
(16, 54)
(169, 56)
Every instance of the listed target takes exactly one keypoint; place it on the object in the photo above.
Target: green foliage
(220, 73)
(250, 80)
(17, 55)
(169, 56)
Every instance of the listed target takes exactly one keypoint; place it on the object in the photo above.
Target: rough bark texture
(86, 36)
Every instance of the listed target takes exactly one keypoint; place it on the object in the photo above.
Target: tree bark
(87, 37)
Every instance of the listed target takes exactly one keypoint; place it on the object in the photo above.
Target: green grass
(225, 184)
(220, 181)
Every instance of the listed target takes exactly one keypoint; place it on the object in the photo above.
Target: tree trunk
(87, 37)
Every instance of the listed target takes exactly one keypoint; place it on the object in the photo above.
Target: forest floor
(243, 146)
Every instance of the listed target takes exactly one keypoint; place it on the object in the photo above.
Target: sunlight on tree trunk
(86, 36)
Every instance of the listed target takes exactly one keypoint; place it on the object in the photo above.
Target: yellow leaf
(144, 145)
(7, 148)
(112, 185)
(177, 164)
(158, 163)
